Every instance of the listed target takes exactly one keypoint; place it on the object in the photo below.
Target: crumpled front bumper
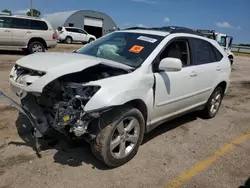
(13, 103)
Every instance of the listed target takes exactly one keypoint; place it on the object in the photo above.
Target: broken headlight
(82, 93)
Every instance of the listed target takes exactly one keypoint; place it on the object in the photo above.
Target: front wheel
(213, 104)
(91, 40)
(119, 141)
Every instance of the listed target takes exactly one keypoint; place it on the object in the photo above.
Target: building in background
(95, 23)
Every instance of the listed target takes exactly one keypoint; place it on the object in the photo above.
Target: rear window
(204, 52)
(59, 29)
(38, 25)
(20, 23)
(5, 22)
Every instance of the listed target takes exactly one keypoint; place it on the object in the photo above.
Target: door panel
(207, 67)
(20, 37)
(174, 92)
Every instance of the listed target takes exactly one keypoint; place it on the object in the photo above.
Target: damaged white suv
(117, 88)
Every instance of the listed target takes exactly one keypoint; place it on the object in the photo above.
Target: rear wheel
(36, 46)
(68, 40)
(119, 141)
(213, 104)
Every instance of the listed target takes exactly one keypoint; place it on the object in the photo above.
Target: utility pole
(31, 9)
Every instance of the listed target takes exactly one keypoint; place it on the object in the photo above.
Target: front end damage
(61, 105)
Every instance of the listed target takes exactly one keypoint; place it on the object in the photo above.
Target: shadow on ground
(76, 153)
(247, 184)
(12, 52)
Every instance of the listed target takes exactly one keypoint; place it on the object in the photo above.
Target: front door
(83, 35)
(175, 91)
(5, 31)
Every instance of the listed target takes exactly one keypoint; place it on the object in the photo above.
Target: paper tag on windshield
(147, 39)
(136, 49)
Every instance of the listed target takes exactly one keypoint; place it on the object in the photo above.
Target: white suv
(114, 90)
(30, 33)
(74, 34)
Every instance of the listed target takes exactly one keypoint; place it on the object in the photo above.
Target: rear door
(5, 31)
(73, 33)
(207, 67)
(40, 28)
(21, 29)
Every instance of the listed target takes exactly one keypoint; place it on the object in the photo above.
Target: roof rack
(170, 29)
(178, 29)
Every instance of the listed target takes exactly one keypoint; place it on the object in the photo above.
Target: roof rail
(170, 29)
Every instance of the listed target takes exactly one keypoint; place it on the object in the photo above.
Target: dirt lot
(186, 152)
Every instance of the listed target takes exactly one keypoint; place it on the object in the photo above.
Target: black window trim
(156, 61)
(11, 26)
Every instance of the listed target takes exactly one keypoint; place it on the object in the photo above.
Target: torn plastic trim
(12, 103)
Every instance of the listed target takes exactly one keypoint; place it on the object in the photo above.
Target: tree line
(36, 13)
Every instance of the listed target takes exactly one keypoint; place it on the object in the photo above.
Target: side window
(223, 41)
(20, 23)
(72, 30)
(218, 55)
(82, 31)
(69, 29)
(203, 52)
(38, 25)
(5, 22)
(178, 49)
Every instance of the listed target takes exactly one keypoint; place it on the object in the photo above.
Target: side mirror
(170, 64)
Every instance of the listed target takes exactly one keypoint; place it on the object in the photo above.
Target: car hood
(50, 61)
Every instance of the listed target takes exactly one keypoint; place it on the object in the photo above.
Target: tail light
(61, 32)
(54, 36)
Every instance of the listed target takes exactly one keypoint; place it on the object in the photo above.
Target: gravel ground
(168, 151)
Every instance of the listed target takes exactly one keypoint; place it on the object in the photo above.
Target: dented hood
(50, 61)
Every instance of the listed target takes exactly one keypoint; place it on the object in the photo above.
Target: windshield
(223, 41)
(123, 47)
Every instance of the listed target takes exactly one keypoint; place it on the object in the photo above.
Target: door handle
(218, 68)
(7, 31)
(193, 74)
(29, 32)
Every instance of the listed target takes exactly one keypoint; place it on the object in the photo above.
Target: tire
(231, 61)
(112, 132)
(36, 46)
(213, 104)
(91, 40)
(68, 40)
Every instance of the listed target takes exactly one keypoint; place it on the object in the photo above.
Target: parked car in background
(74, 34)
(27, 33)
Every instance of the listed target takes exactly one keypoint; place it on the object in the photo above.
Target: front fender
(119, 99)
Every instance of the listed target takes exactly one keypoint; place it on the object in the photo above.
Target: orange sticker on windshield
(136, 49)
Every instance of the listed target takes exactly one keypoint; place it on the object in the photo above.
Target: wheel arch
(38, 39)
(141, 106)
(223, 85)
